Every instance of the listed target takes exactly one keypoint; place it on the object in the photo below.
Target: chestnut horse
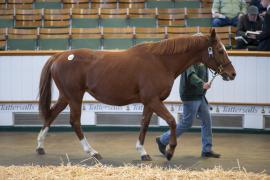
(141, 74)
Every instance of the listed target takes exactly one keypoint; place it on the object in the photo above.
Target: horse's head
(216, 58)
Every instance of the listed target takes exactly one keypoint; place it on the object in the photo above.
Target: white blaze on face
(71, 57)
(224, 48)
(226, 54)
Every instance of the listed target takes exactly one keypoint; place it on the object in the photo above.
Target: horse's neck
(178, 63)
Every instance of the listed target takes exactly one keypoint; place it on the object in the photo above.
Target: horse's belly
(115, 98)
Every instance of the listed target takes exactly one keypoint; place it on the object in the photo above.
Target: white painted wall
(19, 79)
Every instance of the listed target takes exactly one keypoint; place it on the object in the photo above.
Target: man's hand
(239, 15)
(207, 85)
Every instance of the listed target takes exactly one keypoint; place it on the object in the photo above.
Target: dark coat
(257, 3)
(245, 25)
(191, 83)
(264, 37)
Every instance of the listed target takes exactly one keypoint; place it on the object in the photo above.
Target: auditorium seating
(20, 4)
(22, 39)
(187, 4)
(113, 18)
(86, 38)
(171, 20)
(180, 31)
(132, 4)
(117, 38)
(6, 18)
(226, 34)
(99, 37)
(143, 17)
(102, 24)
(57, 18)
(48, 4)
(85, 18)
(3, 33)
(110, 4)
(160, 4)
(149, 34)
(199, 17)
(54, 39)
(88, 18)
(79, 4)
(29, 18)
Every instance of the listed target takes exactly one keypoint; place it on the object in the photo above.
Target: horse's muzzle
(227, 77)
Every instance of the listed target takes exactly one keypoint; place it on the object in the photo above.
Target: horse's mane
(175, 45)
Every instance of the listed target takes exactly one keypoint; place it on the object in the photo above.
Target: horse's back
(112, 77)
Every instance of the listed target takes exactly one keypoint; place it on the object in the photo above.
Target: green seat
(6, 23)
(187, 4)
(85, 23)
(21, 44)
(143, 22)
(86, 43)
(117, 43)
(48, 5)
(2, 45)
(203, 22)
(160, 4)
(53, 44)
(114, 22)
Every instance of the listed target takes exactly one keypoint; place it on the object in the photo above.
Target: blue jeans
(190, 110)
(220, 22)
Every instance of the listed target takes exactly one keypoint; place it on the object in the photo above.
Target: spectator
(264, 37)
(248, 22)
(257, 3)
(227, 12)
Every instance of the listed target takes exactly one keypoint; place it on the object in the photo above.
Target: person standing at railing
(227, 12)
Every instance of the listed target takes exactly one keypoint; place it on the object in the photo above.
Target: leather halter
(220, 66)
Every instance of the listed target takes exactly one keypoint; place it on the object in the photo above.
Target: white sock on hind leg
(87, 148)
(41, 137)
(140, 148)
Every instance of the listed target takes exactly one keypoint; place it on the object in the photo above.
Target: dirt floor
(249, 151)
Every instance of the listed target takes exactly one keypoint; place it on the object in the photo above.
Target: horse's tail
(45, 93)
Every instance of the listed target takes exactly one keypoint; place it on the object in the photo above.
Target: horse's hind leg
(59, 106)
(147, 114)
(159, 108)
(75, 116)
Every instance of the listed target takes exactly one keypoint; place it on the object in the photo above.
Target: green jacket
(229, 8)
(192, 80)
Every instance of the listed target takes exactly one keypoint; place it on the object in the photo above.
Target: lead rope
(213, 77)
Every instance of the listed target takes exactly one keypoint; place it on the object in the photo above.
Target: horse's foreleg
(147, 114)
(159, 108)
(59, 106)
(75, 116)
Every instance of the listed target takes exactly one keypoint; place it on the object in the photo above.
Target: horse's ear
(213, 34)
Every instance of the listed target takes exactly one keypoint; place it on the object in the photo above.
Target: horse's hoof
(97, 156)
(146, 158)
(169, 156)
(40, 151)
